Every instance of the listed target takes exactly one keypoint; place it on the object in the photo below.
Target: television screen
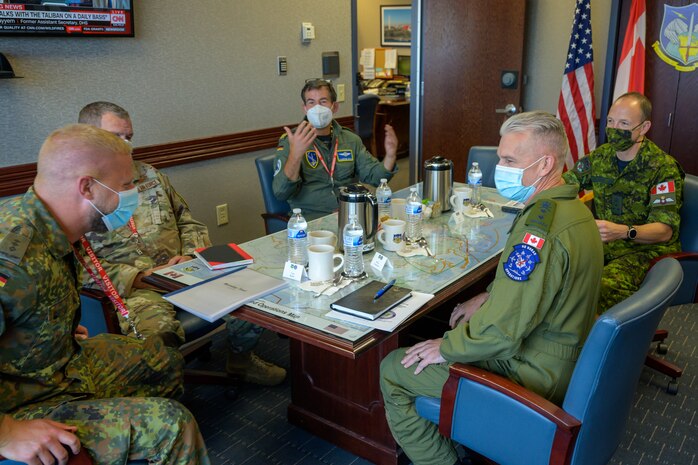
(404, 64)
(87, 18)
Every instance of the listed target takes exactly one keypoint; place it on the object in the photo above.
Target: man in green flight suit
(320, 156)
(637, 196)
(531, 323)
(61, 391)
(161, 233)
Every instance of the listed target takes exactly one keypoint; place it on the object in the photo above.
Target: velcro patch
(533, 240)
(13, 247)
(311, 158)
(148, 185)
(663, 194)
(345, 155)
(521, 262)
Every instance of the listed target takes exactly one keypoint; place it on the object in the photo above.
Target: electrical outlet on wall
(340, 92)
(222, 214)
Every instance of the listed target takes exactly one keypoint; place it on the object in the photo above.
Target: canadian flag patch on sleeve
(663, 194)
(535, 241)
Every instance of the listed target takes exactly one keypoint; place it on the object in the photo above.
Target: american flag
(576, 108)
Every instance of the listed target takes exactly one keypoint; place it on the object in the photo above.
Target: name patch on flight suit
(663, 194)
(521, 262)
(345, 155)
(311, 158)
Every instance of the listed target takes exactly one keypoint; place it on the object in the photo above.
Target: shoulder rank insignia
(521, 262)
(663, 194)
(541, 215)
(311, 158)
(345, 155)
(13, 246)
(535, 241)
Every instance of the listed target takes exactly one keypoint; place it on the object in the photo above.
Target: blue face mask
(508, 182)
(128, 201)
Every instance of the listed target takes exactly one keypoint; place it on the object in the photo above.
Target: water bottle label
(300, 234)
(353, 241)
(413, 209)
(386, 200)
(475, 179)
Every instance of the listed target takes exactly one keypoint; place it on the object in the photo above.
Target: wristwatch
(632, 233)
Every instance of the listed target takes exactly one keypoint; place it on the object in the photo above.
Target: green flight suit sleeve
(369, 168)
(282, 186)
(512, 311)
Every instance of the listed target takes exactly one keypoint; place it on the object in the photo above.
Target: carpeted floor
(252, 429)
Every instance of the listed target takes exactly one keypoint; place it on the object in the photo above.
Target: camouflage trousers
(621, 277)
(418, 437)
(116, 401)
(152, 314)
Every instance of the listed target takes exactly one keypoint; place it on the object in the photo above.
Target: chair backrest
(486, 157)
(265, 170)
(603, 384)
(688, 233)
(366, 115)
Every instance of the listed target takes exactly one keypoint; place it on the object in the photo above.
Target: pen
(383, 290)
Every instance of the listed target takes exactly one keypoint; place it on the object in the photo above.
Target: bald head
(78, 150)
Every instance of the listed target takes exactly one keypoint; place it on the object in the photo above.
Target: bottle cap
(384, 180)
(475, 164)
(296, 210)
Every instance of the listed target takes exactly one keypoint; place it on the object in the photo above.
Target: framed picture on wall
(396, 26)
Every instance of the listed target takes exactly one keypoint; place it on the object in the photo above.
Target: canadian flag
(663, 188)
(535, 241)
(630, 76)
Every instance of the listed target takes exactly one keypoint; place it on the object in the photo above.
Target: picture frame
(396, 26)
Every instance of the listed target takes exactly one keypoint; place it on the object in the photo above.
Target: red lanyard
(334, 159)
(104, 282)
(132, 227)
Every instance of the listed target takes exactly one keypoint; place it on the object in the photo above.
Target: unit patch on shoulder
(663, 194)
(583, 166)
(13, 246)
(311, 158)
(521, 262)
(345, 155)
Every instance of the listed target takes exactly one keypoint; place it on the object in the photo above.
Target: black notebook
(222, 256)
(361, 303)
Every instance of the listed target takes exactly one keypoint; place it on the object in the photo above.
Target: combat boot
(252, 369)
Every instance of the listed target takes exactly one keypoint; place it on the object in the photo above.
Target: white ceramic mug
(391, 236)
(398, 208)
(322, 237)
(460, 198)
(321, 258)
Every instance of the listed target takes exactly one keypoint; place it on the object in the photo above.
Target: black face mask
(621, 139)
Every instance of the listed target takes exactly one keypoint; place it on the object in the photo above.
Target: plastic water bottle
(298, 238)
(384, 196)
(413, 213)
(475, 183)
(353, 239)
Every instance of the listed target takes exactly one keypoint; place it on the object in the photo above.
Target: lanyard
(105, 283)
(132, 227)
(334, 159)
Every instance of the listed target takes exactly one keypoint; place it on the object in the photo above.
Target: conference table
(335, 364)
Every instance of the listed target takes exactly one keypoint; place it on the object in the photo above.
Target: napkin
(322, 286)
(478, 211)
(412, 250)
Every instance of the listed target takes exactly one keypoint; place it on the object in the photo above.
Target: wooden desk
(335, 381)
(397, 114)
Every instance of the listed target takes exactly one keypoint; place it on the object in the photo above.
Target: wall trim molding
(17, 179)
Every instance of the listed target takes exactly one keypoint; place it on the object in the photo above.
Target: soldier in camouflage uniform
(60, 392)
(531, 323)
(162, 234)
(321, 156)
(637, 196)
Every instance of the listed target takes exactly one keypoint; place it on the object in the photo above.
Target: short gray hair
(544, 128)
(92, 113)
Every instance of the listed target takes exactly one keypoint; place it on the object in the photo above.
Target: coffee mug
(321, 260)
(391, 236)
(322, 237)
(460, 198)
(398, 208)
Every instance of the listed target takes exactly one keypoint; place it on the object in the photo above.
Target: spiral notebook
(361, 302)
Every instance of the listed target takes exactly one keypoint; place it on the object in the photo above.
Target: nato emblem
(311, 158)
(678, 39)
(521, 262)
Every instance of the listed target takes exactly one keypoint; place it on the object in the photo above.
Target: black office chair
(486, 157)
(366, 117)
(276, 215)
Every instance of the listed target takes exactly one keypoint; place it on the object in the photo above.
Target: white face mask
(319, 116)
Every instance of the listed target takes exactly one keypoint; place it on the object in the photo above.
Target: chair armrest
(275, 216)
(497, 393)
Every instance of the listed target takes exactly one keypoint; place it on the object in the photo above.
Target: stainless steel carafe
(357, 199)
(438, 182)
